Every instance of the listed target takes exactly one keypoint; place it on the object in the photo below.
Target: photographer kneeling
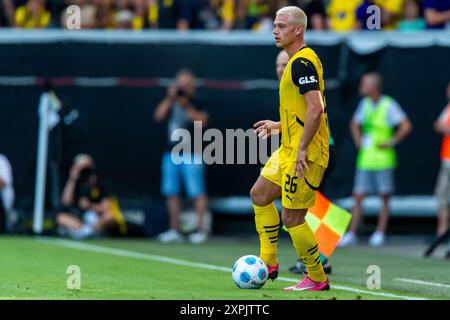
(88, 207)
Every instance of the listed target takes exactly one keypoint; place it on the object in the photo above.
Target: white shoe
(349, 239)
(198, 237)
(170, 235)
(377, 239)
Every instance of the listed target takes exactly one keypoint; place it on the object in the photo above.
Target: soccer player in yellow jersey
(295, 170)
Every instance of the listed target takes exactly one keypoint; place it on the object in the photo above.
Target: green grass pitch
(35, 268)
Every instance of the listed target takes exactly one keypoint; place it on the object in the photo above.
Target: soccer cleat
(309, 285)
(273, 272)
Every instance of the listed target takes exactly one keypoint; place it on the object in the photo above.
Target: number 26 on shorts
(290, 185)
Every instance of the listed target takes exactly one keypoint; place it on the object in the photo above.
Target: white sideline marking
(422, 282)
(152, 257)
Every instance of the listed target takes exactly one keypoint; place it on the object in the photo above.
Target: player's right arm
(265, 128)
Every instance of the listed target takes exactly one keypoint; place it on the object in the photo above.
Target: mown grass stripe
(159, 258)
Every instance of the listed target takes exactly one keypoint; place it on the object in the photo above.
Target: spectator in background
(265, 21)
(411, 19)
(140, 10)
(391, 12)
(129, 14)
(251, 12)
(105, 13)
(315, 11)
(437, 13)
(226, 12)
(33, 14)
(89, 209)
(124, 15)
(363, 14)
(342, 14)
(373, 130)
(163, 14)
(6, 192)
(88, 13)
(181, 109)
(6, 13)
(442, 191)
(192, 14)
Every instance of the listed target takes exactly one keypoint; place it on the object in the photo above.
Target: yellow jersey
(303, 73)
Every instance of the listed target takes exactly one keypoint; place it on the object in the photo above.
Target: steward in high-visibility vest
(376, 130)
(378, 124)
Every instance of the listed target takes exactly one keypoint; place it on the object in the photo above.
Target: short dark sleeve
(304, 75)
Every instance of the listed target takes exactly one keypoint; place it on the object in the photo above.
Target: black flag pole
(437, 242)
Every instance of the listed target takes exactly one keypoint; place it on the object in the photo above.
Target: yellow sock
(267, 223)
(305, 244)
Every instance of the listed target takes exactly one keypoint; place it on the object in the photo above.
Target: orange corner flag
(328, 222)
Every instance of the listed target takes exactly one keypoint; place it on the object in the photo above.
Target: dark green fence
(114, 81)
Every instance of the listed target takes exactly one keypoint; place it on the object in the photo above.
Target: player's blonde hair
(296, 15)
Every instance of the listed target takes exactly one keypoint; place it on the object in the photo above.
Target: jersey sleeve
(304, 75)
(395, 114)
(358, 115)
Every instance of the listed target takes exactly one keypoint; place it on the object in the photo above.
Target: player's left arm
(305, 76)
(266, 128)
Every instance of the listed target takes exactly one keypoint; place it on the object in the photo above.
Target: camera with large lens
(85, 174)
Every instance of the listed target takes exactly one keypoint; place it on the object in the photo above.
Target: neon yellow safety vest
(376, 130)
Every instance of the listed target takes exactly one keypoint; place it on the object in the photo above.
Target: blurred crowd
(257, 15)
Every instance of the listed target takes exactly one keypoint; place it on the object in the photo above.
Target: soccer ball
(250, 272)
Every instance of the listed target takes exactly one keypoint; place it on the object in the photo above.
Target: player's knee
(258, 197)
(291, 220)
